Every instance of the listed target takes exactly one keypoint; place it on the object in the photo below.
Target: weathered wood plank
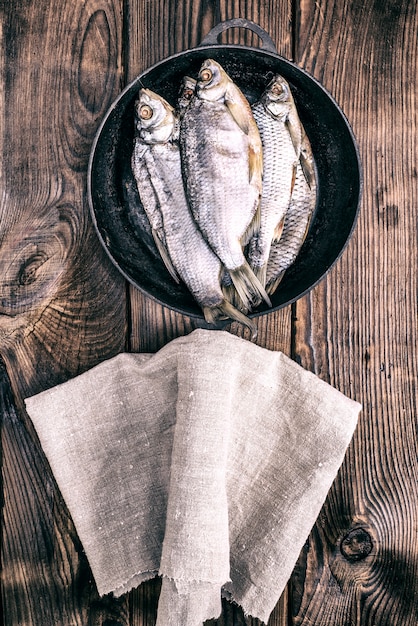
(61, 302)
(56, 284)
(358, 328)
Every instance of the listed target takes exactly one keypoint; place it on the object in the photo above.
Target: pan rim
(201, 51)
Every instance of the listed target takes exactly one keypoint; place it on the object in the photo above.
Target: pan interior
(117, 211)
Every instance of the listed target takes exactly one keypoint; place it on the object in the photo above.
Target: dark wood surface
(64, 308)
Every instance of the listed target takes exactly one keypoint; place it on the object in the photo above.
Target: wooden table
(64, 308)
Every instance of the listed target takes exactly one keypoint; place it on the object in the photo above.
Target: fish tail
(248, 286)
(230, 293)
(226, 309)
(261, 273)
(165, 256)
(232, 296)
(274, 283)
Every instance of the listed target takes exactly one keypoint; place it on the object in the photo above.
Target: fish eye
(188, 94)
(205, 75)
(145, 112)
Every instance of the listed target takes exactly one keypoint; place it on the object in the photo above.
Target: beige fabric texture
(206, 463)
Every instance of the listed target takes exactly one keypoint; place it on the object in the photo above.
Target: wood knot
(95, 61)
(356, 545)
(34, 257)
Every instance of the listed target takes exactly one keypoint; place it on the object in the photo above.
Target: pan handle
(212, 37)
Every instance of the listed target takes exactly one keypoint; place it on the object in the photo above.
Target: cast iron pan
(117, 211)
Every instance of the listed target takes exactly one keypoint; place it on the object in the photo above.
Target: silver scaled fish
(283, 140)
(222, 164)
(298, 218)
(157, 169)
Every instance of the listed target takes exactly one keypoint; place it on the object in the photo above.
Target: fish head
(186, 93)
(155, 118)
(212, 81)
(277, 98)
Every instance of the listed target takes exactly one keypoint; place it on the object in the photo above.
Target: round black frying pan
(115, 206)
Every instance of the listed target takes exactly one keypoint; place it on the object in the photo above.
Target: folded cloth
(206, 463)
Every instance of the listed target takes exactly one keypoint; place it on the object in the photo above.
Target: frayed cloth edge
(131, 583)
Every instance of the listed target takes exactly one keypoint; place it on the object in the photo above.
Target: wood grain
(56, 283)
(358, 329)
(61, 302)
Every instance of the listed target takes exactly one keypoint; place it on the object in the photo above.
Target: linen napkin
(206, 463)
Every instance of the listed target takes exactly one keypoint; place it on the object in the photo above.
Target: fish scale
(222, 200)
(296, 225)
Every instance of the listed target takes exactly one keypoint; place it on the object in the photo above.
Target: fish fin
(294, 127)
(305, 234)
(248, 286)
(278, 231)
(239, 107)
(164, 255)
(306, 162)
(302, 148)
(227, 310)
(255, 163)
(232, 296)
(240, 110)
(293, 183)
(274, 283)
(261, 274)
(253, 227)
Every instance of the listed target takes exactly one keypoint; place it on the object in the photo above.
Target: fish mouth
(277, 90)
(146, 95)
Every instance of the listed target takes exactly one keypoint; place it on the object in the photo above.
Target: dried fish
(222, 162)
(157, 170)
(281, 135)
(296, 225)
